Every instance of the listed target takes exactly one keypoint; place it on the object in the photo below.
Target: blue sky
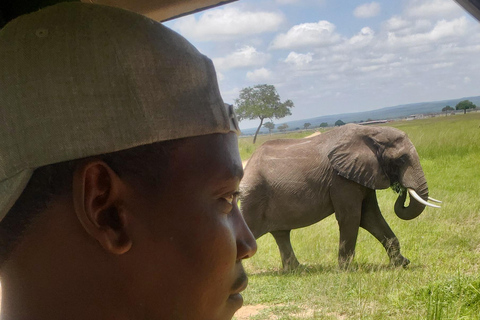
(331, 56)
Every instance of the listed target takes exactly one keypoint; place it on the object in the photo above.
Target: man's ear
(97, 199)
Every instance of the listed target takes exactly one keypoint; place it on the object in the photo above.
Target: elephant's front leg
(373, 222)
(289, 260)
(347, 199)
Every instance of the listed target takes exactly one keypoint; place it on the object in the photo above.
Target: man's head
(119, 167)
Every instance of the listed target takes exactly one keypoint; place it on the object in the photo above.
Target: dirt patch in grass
(313, 135)
(280, 311)
(249, 311)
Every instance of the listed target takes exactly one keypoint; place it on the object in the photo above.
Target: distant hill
(396, 112)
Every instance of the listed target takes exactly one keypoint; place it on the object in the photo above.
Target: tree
(446, 109)
(306, 125)
(270, 126)
(283, 127)
(261, 102)
(464, 105)
(339, 123)
(323, 125)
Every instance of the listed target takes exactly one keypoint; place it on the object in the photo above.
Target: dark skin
(118, 249)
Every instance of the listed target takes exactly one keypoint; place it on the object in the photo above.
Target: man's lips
(240, 284)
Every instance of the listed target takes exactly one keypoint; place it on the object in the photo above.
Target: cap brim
(11, 189)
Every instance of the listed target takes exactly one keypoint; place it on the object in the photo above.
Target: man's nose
(246, 244)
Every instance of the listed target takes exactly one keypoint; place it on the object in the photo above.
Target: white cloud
(364, 37)
(303, 3)
(396, 22)
(367, 10)
(433, 8)
(287, 1)
(244, 57)
(259, 75)
(227, 23)
(467, 80)
(404, 27)
(441, 65)
(307, 35)
(443, 29)
(457, 50)
(299, 59)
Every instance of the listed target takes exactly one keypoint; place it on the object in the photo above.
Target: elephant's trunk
(419, 185)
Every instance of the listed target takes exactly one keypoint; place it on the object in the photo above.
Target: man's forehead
(213, 152)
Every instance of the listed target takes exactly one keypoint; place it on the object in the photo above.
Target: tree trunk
(258, 129)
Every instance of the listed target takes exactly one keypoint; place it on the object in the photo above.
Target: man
(119, 170)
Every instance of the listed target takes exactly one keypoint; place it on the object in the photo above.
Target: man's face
(188, 249)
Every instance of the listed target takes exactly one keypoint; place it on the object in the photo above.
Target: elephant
(293, 183)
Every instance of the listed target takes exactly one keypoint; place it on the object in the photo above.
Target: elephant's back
(283, 160)
(287, 149)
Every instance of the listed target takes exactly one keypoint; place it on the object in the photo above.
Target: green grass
(443, 279)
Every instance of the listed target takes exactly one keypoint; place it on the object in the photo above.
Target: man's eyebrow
(233, 171)
(229, 177)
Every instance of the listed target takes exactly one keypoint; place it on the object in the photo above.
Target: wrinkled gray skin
(293, 183)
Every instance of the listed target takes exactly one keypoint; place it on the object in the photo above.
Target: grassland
(443, 279)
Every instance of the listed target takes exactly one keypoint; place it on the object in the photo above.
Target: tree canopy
(283, 127)
(306, 125)
(261, 102)
(323, 125)
(269, 125)
(339, 123)
(446, 109)
(464, 105)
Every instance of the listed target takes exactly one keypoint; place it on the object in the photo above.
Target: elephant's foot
(290, 264)
(393, 250)
(344, 262)
(399, 261)
(289, 261)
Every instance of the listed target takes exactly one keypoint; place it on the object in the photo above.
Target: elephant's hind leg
(374, 222)
(289, 260)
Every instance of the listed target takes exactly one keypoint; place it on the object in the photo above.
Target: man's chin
(234, 303)
(236, 300)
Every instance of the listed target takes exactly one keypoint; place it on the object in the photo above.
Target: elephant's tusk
(434, 200)
(417, 197)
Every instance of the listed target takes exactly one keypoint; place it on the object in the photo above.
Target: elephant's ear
(356, 156)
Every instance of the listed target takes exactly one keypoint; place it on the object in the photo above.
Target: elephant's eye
(401, 160)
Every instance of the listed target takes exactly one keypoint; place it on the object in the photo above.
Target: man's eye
(229, 199)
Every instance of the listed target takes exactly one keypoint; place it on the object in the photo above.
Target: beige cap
(78, 80)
